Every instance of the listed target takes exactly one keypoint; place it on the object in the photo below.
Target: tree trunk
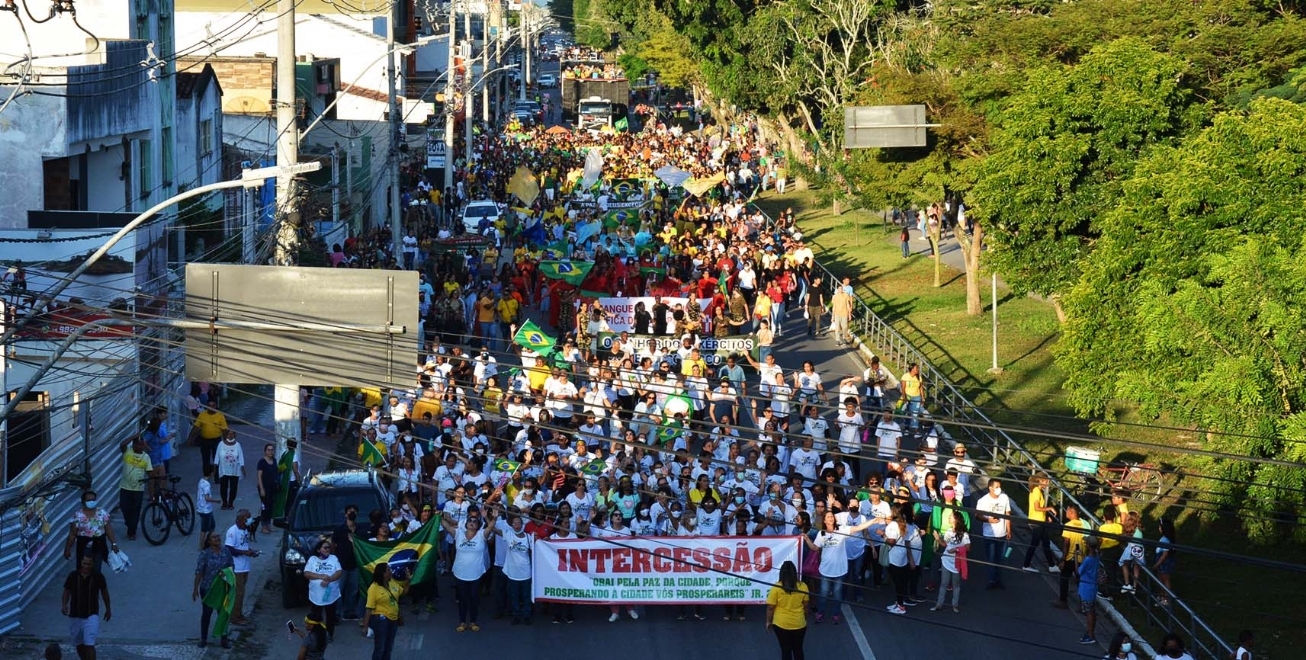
(971, 250)
(938, 261)
(1056, 305)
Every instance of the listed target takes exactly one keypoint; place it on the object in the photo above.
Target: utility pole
(335, 187)
(468, 92)
(396, 213)
(485, 61)
(526, 49)
(449, 88)
(285, 409)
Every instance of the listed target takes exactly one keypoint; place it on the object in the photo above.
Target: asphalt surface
(154, 616)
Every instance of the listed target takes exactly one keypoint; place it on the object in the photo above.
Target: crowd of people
(505, 442)
(588, 71)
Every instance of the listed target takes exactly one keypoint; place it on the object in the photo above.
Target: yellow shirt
(911, 384)
(134, 468)
(696, 496)
(385, 601)
(425, 405)
(211, 424)
(508, 309)
(1075, 546)
(371, 396)
(1036, 503)
(687, 366)
(790, 607)
(493, 396)
(1110, 528)
(485, 310)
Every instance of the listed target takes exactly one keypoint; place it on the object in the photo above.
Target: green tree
(1061, 150)
(1190, 307)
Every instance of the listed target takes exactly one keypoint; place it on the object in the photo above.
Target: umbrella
(557, 130)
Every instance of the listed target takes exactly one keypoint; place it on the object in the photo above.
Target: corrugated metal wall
(33, 529)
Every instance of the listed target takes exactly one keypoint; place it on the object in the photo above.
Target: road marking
(855, 627)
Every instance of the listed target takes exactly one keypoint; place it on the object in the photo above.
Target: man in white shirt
(993, 511)
(816, 428)
(805, 460)
(850, 425)
(888, 441)
(560, 399)
(964, 467)
(237, 542)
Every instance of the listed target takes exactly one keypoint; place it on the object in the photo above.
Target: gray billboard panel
(884, 126)
(306, 326)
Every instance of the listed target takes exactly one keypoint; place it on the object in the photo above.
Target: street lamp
(248, 179)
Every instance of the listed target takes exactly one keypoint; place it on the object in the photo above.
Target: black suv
(318, 510)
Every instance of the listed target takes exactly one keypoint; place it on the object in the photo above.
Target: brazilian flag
(594, 468)
(285, 467)
(617, 217)
(570, 272)
(622, 124)
(370, 454)
(531, 336)
(505, 465)
(412, 560)
(668, 432)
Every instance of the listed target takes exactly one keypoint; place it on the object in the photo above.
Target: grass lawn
(1028, 393)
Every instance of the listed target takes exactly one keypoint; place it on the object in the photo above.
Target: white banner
(704, 570)
(621, 311)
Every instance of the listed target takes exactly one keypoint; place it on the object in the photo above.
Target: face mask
(480, 452)
(528, 491)
(643, 513)
(739, 499)
(797, 503)
(774, 496)
(90, 504)
(351, 516)
(676, 514)
(739, 476)
(1126, 646)
(397, 518)
(997, 491)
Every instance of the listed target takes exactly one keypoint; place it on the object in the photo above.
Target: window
(143, 170)
(206, 137)
(144, 173)
(168, 145)
(29, 432)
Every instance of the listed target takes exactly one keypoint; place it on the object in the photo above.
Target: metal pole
(247, 251)
(448, 98)
(349, 183)
(286, 410)
(467, 89)
(396, 213)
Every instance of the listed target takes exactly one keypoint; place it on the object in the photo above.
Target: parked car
(317, 511)
(479, 212)
(535, 109)
(547, 80)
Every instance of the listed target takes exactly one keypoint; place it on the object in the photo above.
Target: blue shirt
(1088, 570)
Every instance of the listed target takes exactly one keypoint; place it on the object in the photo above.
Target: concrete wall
(32, 126)
(105, 188)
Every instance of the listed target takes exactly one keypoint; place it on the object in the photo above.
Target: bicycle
(168, 507)
(1141, 480)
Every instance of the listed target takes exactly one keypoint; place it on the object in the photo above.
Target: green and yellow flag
(411, 560)
(622, 124)
(594, 468)
(222, 598)
(506, 465)
(285, 467)
(370, 454)
(531, 336)
(568, 271)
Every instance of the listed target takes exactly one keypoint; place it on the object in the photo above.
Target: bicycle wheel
(1148, 483)
(156, 524)
(185, 511)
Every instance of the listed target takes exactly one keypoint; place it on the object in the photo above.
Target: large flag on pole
(568, 271)
(411, 560)
(531, 336)
(524, 186)
(593, 169)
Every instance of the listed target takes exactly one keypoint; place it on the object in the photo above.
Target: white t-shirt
(238, 539)
(805, 462)
(850, 427)
(834, 554)
(517, 566)
(999, 506)
(898, 551)
(202, 494)
(950, 552)
(889, 435)
(469, 563)
(318, 594)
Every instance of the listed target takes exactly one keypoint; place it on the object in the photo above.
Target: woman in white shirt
(409, 479)
(517, 568)
(469, 565)
(952, 541)
(830, 542)
(898, 544)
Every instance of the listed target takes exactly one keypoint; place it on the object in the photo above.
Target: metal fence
(978, 431)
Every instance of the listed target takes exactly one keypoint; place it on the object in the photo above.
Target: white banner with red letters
(704, 570)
